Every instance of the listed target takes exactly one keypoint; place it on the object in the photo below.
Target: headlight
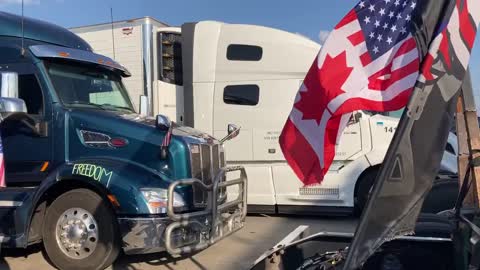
(157, 199)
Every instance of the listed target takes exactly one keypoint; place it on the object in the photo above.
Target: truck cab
(85, 173)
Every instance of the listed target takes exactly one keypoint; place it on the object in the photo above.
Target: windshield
(84, 86)
(394, 114)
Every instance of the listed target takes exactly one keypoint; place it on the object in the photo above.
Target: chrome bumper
(189, 232)
(215, 222)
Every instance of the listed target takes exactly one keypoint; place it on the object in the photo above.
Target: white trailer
(211, 74)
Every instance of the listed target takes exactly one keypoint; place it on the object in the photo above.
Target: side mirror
(143, 110)
(163, 122)
(357, 117)
(9, 101)
(9, 83)
(232, 132)
(12, 105)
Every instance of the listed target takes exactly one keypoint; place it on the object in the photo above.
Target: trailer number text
(93, 171)
(390, 129)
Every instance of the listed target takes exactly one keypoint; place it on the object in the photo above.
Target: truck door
(350, 142)
(27, 155)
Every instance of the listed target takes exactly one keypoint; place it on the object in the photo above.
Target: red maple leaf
(323, 85)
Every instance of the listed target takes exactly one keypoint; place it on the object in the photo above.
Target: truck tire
(430, 225)
(442, 196)
(363, 190)
(80, 231)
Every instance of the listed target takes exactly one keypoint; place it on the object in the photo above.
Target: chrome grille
(196, 162)
(215, 158)
(206, 162)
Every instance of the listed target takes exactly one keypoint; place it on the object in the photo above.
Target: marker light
(118, 142)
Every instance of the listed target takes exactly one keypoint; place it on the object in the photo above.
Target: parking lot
(236, 252)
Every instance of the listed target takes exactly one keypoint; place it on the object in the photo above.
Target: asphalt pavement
(238, 251)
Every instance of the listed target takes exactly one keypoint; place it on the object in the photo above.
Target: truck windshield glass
(394, 114)
(82, 86)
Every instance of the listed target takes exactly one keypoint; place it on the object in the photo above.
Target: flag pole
(468, 137)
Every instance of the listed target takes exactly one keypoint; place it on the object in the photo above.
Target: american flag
(2, 166)
(370, 61)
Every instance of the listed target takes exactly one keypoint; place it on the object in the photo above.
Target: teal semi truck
(88, 176)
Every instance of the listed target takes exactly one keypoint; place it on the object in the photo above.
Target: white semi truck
(209, 75)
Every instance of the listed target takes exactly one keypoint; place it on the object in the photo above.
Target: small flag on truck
(371, 61)
(2, 166)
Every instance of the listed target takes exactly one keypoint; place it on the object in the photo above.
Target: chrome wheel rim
(77, 233)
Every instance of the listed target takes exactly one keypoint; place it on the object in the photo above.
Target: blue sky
(307, 17)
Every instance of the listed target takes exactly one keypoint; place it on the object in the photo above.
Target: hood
(144, 140)
(413, 159)
(178, 130)
(410, 166)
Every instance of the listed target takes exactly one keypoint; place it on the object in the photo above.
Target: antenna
(23, 34)
(113, 33)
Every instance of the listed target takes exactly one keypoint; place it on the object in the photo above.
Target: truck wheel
(442, 196)
(80, 231)
(363, 190)
(430, 225)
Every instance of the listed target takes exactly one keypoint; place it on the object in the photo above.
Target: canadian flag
(370, 61)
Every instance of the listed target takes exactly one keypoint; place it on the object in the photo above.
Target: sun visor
(59, 52)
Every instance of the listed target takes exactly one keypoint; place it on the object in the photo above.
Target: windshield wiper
(76, 102)
(104, 106)
(118, 107)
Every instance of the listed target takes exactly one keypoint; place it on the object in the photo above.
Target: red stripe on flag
(427, 67)
(356, 38)
(300, 155)
(444, 50)
(330, 141)
(391, 77)
(2, 173)
(350, 17)
(355, 104)
(366, 59)
(467, 29)
(406, 47)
